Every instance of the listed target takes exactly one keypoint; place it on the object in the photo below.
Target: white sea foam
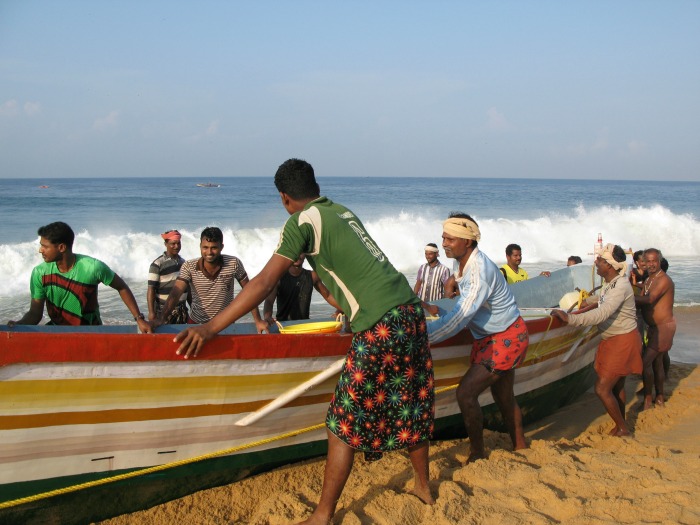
(546, 242)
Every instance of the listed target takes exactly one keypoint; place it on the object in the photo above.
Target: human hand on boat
(432, 309)
(561, 315)
(192, 340)
(144, 326)
(263, 326)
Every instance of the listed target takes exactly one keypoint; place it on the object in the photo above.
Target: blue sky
(602, 90)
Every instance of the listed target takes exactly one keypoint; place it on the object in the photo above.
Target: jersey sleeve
(295, 239)
(103, 272)
(36, 286)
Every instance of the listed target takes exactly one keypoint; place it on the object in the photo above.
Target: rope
(166, 466)
(536, 350)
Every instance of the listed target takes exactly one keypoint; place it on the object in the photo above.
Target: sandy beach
(572, 473)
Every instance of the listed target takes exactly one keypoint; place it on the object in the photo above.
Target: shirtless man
(656, 303)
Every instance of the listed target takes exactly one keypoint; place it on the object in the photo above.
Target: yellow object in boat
(324, 327)
(568, 300)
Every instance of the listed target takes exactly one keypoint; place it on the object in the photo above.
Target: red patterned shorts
(502, 351)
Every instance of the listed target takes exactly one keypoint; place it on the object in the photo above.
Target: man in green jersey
(67, 283)
(387, 380)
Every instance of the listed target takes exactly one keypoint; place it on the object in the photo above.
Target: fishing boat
(208, 185)
(101, 421)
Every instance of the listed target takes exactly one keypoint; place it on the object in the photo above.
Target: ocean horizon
(118, 220)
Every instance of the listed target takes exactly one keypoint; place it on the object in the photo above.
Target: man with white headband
(487, 307)
(162, 275)
(620, 350)
(430, 282)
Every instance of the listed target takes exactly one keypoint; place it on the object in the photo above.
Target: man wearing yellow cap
(487, 307)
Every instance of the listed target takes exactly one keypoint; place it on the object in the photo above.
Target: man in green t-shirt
(389, 355)
(67, 283)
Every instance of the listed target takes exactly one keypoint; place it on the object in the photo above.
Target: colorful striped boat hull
(80, 405)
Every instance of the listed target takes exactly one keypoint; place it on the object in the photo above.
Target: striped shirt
(211, 293)
(432, 286)
(162, 276)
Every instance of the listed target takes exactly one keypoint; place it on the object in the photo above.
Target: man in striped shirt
(210, 279)
(430, 283)
(161, 278)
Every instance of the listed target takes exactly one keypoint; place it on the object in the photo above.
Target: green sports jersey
(71, 297)
(347, 260)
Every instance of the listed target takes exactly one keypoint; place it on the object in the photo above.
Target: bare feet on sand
(619, 432)
(423, 494)
(315, 520)
(659, 402)
(475, 456)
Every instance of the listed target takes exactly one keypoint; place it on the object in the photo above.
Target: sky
(210, 89)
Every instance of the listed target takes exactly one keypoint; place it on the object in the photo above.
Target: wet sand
(572, 473)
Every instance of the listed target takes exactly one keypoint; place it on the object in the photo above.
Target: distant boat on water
(208, 185)
(43, 187)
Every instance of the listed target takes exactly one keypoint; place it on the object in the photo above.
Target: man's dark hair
(462, 215)
(212, 234)
(575, 259)
(656, 251)
(619, 254)
(511, 248)
(638, 255)
(57, 233)
(296, 178)
(432, 244)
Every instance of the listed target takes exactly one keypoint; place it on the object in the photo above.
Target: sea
(118, 220)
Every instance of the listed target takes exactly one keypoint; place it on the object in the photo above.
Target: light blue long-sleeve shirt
(485, 305)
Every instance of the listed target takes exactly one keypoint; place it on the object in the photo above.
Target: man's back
(346, 258)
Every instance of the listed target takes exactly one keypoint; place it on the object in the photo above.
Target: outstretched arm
(33, 316)
(269, 304)
(130, 302)
(325, 292)
(178, 289)
(193, 339)
(151, 300)
(260, 325)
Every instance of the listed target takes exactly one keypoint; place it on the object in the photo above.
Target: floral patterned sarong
(384, 399)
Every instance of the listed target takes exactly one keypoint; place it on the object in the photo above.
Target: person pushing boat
(486, 306)
(620, 351)
(384, 399)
